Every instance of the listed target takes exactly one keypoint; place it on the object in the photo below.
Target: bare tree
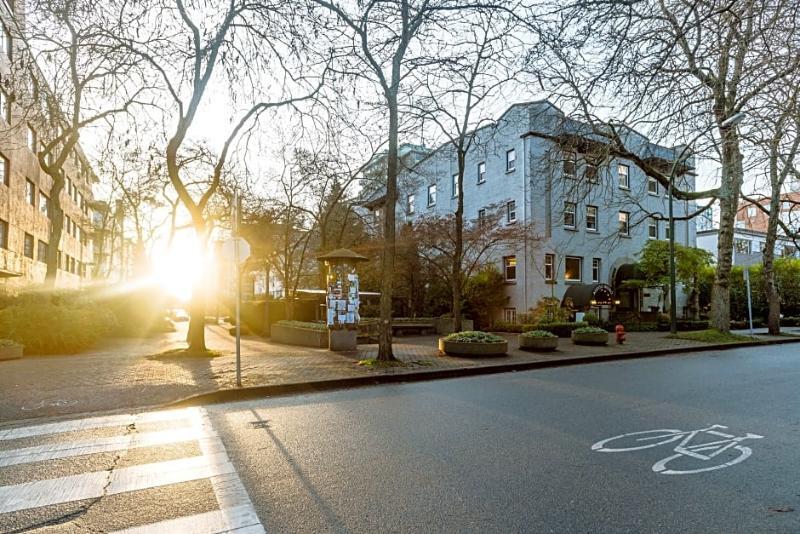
(240, 44)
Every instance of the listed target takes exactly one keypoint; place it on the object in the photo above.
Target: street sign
(229, 252)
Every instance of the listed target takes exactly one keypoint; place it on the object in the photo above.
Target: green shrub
(591, 318)
(503, 326)
(57, 323)
(538, 334)
(590, 330)
(303, 324)
(471, 336)
(561, 329)
(683, 325)
(139, 313)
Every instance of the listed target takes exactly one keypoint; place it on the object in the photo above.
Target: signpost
(237, 249)
(749, 298)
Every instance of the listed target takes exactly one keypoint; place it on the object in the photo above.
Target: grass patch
(374, 363)
(181, 354)
(712, 336)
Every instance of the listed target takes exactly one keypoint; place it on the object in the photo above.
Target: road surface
(501, 453)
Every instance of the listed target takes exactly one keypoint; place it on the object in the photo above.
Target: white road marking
(55, 451)
(91, 485)
(92, 423)
(241, 519)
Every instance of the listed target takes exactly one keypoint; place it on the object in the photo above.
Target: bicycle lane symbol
(703, 452)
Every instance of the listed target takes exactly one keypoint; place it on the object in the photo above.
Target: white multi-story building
(587, 213)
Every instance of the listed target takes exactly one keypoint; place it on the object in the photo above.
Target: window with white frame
(410, 204)
(510, 315)
(5, 106)
(511, 160)
(44, 204)
(432, 195)
(570, 165)
(7, 43)
(743, 246)
(624, 223)
(455, 185)
(595, 269)
(510, 268)
(3, 233)
(549, 267)
(572, 268)
(652, 185)
(667, 231)
(652, 228)
(5, 170)
(511, 211)
(42, 252)
(591, 218)
(751, 211)
(569, 214)
(28, 246)
(591, 171)
(31, 138)
(30, 192)
(481, 172)
(623, 174)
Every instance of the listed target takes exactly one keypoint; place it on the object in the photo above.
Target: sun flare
(179, 267)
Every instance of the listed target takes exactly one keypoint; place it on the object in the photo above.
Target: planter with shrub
(300, 333)
(561, 329)
(538, 340)
(589, 335)
(473, 344)
(9, 350)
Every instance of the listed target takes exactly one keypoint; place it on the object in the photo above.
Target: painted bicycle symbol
(705, 451)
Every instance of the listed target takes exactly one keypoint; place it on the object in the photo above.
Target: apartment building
(750, 217)
(588, 214)
(25, 198)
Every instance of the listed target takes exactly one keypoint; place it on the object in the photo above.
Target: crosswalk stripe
(96, 484)
(93, 422)
(240, 519)
(55, 451)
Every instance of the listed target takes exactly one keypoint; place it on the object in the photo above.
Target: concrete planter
(590, 338)
(11, 352)
(457, 348)
(305, 337)
(539, 344)
(342, 340)
(445, 325)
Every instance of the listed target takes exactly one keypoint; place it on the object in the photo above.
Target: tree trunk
(728, 205)
(389, 245)
(458, 251)
(56, 230)
(196, 337)
(768, 257)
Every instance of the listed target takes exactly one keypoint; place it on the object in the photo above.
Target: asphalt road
(512, 453)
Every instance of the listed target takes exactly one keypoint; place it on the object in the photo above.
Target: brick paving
(120, 375)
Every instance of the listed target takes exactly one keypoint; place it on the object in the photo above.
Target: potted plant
(473, 344)
(539, 340)
(10, 350)
(589, 335)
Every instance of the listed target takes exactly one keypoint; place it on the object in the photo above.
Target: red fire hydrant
(620, 330)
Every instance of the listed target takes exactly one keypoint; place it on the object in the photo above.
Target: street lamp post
(733, 120)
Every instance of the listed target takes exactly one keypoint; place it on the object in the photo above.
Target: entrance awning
(587, 295)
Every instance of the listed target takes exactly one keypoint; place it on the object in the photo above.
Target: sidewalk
(120, 376)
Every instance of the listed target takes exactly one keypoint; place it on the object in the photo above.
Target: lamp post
(733, 120)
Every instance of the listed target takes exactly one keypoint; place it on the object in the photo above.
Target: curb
(255, 392)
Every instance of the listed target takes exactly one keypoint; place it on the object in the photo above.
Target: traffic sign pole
(237, 277)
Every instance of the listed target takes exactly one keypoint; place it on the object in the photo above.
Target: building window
(30, 192)
(481, 172)
(572, 268)
(570, 165)
(510, 268)
(44, 204)
(652, 228)
(511, 211)
(3, 233)
(652, 185)
(28, 246)
(455, 185)
(5, 106)
(591, 218)
(432, 195)
(788, 251)
(624, 223)
(510, 315)
(5, 168)
(511, 160)
(751, 211)
(549, 267)
(41, 253)
(31, 138)
(68, 224)
(595, 269)
(410, 204)
(743, 246)
(591, 172)
(7, 43)
(569, 214)
(623, 171)
(667, 232)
